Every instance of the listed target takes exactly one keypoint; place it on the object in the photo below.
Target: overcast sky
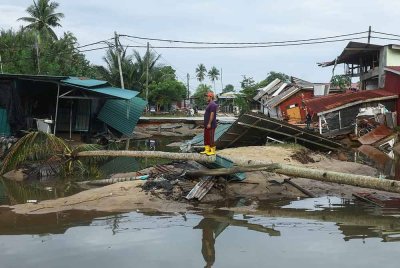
(224, 21)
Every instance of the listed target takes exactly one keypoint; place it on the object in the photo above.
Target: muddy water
(322, 232)
(51, 188)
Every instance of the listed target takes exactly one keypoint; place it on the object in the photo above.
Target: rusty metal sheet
(380, 158)
(325, 103)
(379, 200)
(375, 135)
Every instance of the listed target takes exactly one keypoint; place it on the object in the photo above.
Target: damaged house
(336, 114)
(377, 67)
(285, 101)
(60, 104)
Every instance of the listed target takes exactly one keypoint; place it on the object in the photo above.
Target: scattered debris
(201, 188)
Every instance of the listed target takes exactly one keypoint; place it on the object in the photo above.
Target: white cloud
(225, 21)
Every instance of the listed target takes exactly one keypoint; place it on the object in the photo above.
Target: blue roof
(83, 82)
(115, 92)
(101, 87)
(122, 115)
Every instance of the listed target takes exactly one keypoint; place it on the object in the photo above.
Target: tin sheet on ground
(256, 129)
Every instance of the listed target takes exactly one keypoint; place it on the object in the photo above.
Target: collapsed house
(336, 114)
(252, 129)
(285, 101)
(61, 104)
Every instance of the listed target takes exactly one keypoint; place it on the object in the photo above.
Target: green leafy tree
(201, 72)
(57, 57)
(341, 81)
(199, 95)
(43, 17)
(165, 92)
(272, 76)
(213, 75)
(134, 68)
(228, 88)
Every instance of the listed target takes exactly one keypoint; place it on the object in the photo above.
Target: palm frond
(33, 146)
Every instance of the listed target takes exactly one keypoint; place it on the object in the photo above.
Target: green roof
(82, 82)
(114, 92)
(4, 125)
(221, 129)
(122, 115)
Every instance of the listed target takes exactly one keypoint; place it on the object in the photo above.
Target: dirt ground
(129, 196)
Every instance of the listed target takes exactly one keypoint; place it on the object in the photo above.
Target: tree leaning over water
(43, 17)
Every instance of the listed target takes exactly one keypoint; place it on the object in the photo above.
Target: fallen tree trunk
(113, 180)
(289, 170)
(148, 154)
(309, 173)
(232, 170)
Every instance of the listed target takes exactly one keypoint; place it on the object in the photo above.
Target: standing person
(210, 124)
(308, 120)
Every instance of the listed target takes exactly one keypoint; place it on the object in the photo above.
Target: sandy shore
(129, 196)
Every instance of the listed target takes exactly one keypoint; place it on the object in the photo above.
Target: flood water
(320, 232)
(12, 192)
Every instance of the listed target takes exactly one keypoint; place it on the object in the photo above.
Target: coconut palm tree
(201, 72)
(213, 74)
(43, 17)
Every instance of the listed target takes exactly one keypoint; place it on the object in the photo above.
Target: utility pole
(187, 82)
(369, 34)
(37, 52)
(116, 39)
(222, 84)
(147, 71)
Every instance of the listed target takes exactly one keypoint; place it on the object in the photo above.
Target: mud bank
(129, 196)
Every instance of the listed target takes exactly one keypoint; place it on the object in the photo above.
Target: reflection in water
(145, 238)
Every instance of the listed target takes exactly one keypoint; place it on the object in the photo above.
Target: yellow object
(206, 150)
(212, 151)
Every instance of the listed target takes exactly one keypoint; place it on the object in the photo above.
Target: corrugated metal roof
(120, 165)
(122, 115)
(352, 52)
(221, 128)
(254, 129)
(327, 103)
(114, 92)
(301, 83)
(4, 125)
(84, 82)
(282, 97)
(34, 77)
(100, 87)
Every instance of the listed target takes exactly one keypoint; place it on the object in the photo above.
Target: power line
(95, 43)
(241, 43)
(386, 33)
(385, 38)
(250, 46)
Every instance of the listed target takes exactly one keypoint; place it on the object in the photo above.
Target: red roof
(394, 69)
(329, 102)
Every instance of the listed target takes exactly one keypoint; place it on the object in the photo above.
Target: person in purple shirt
(210, 124)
